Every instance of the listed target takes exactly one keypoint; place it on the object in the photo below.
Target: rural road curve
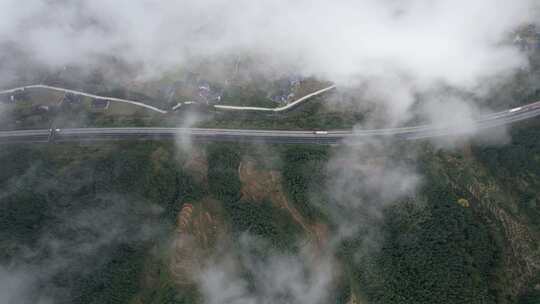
(144, 105)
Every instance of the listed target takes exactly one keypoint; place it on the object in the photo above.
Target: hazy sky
(454, 41)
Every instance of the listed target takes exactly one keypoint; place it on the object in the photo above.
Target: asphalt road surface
(269, 136)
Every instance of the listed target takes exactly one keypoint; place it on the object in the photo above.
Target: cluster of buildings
(207, 94)
(194, 90)
(75, 100)
(99, 104)
(72, 99)
(528, 38)
(527, 43)
(7, 98)
(14, 96)
(28, 109)
(69, 100)
(286, 88)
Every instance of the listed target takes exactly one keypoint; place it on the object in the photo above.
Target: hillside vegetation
(99, 221)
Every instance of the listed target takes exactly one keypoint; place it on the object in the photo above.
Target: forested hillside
(95, 223)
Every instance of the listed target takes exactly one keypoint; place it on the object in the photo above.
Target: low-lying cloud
(365, 177)
(77, 244)
(396, 48)
(245, 277)
(457, 42)
(393, 50)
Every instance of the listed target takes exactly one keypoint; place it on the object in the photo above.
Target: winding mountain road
(287, 107)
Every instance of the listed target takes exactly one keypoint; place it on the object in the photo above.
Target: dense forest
(59, 202)
(93, 223)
